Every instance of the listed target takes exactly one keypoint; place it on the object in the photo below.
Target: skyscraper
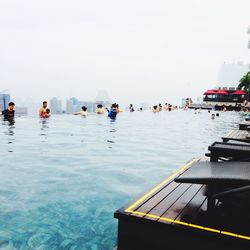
(4, 101)
(55, 106)
(72, 105)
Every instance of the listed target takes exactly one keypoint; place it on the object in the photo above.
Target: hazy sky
(138, 50)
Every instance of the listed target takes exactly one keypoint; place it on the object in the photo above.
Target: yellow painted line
(230, 234)
(144, 197)
(244, 237)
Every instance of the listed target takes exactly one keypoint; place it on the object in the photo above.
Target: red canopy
(210, 92)
(222, 92)
(239, 92)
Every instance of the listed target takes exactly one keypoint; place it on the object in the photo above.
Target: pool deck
(175, 216)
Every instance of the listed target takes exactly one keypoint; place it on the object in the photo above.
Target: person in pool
(9, 113)
(48, 112)
(99, 110)
(83, 112)
(155, 109)
(113, 111)
(131, 108)
(118, 108)
(42, 110)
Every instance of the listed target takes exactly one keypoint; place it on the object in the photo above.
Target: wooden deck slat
(157, 198)
(192, 208)
(181, 203)
(168, 201)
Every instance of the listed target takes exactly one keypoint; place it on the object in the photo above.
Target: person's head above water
(114, 106)
(45, 104)
(99, 106)
(84, 108)
(155, 107)
(11, 106)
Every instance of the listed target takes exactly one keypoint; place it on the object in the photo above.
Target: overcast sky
(138, 50)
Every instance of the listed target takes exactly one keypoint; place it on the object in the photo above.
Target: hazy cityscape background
(139, 51)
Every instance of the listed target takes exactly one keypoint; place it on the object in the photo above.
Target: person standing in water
(42, 111)
(113, 111)
(131, 108)
(9, 113)
(99, 110)
(83, 112)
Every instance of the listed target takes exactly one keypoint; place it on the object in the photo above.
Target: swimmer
(213, 116)
(160, 107)
(9, 113)
(118, 108)
(113, 111)
(47, 113)
(217, 114)
(131, 108)
(83, 112)
(42, 110)
(155, 109)
(99, 110)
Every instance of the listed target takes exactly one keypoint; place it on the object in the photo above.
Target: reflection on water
(44, 122)
(9, 132)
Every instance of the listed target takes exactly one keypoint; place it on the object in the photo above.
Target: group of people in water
(44, 111)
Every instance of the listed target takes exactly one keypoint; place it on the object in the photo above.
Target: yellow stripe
(144, 197)
(229, 234)
(244, 237)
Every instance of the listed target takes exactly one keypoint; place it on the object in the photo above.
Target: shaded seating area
(224, 180)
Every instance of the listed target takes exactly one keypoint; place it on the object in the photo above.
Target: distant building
(55, 106)
(230, 74)
(21, 110)
(72, 105)
(91, 106)
(4, 101)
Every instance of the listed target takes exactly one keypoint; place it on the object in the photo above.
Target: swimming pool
(62, 179)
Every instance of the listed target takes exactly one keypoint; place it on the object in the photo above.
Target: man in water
(9, 113)
(42, 111)
(99, 110)
(83, 112)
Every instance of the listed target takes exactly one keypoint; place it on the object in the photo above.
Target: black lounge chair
(230, 151)
(244, 125)
(223, 179)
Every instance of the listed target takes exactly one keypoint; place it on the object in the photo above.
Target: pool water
(62, 179)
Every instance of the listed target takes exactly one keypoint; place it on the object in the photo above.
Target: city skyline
(138, 50)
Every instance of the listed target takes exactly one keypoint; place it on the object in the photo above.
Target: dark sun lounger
(223, 179)
(232, 151)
